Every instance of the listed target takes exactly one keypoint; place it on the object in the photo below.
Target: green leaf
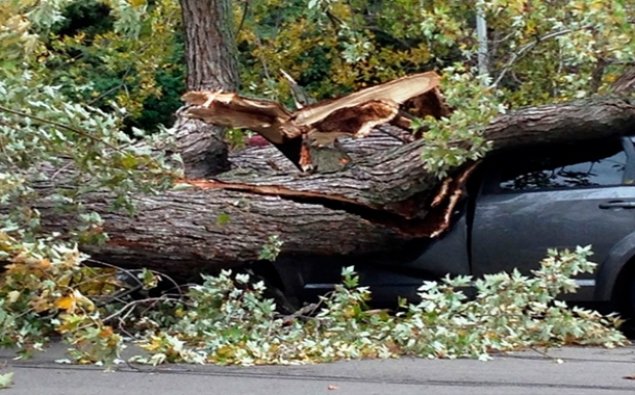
(223, 219)
(149, 279)
(6, 380)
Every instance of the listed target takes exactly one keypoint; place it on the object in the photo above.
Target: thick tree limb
(626, 83)
(378, 203)
(396, 182)
(594, 118)
(202, 148)
(184, 232)
(211, 60)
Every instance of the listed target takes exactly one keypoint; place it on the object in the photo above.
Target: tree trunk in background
(210, 56)
(209, 45)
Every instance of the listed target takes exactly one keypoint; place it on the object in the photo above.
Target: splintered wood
(319, 125)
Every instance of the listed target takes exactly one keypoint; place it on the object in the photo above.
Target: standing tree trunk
(209, 45)
(210, 56)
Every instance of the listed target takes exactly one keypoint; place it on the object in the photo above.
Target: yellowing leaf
(150, 280)
(106, 332)
(137, 3)
(44, 264)
(66, 303)
(517, 5)
(597, 5)
(83, 302)
(129, 162)
(41, 303)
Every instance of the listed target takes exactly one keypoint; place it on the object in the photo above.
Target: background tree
(209, 45)
(210, 54)
(540, 51)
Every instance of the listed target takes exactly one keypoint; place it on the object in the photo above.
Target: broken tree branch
(319, 124)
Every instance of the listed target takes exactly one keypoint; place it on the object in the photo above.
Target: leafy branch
(525, 49)
(71, 129)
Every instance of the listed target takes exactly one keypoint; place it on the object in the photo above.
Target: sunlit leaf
(67, 303)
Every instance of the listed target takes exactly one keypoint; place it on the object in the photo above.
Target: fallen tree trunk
(188, 231)
(377, 204)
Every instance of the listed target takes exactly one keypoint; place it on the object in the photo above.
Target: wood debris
(320, 124)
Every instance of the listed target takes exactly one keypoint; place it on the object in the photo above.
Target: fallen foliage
(227, 319)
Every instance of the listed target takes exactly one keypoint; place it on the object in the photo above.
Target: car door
(556, 197)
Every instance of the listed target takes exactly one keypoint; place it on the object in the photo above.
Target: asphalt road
(582, 371)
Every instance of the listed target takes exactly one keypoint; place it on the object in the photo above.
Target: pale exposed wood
(268, 118)
(398, 91)
(322, 123)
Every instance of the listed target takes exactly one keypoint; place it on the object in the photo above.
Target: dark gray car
(520, 204)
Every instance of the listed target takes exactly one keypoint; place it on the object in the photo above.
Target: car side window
(563, 167)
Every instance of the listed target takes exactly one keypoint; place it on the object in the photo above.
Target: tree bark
(196, 230)
(626, 83)
(211, 64)
(209, 45)
(380, 203)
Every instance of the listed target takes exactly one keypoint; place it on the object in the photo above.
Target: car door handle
(616, 204)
